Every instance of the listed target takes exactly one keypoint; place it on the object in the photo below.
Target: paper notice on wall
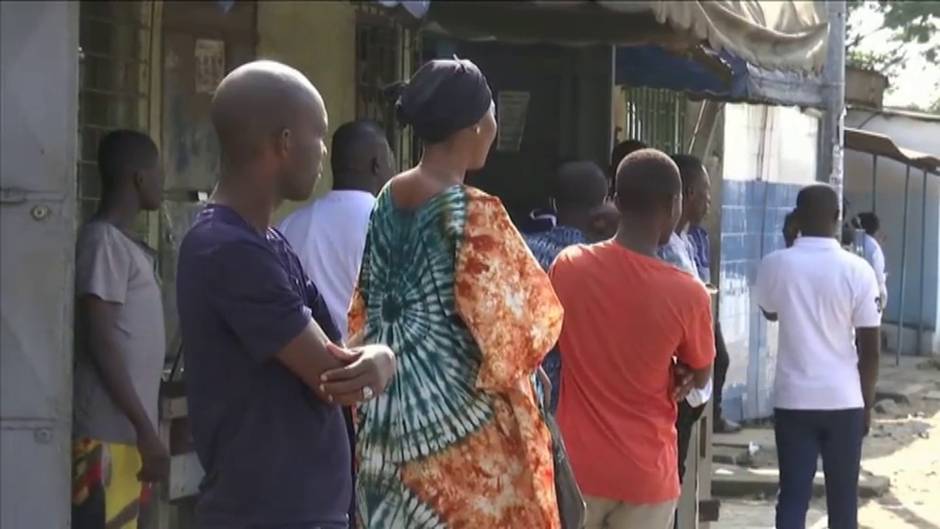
(210, 64)
(511, 110)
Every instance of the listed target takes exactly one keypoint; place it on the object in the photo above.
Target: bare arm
(869, 351)
(307, 357)
(868, 340)
(336, 374)
(686, 379)
(700, 377)
(101, 318)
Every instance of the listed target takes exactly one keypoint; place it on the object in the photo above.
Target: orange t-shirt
(626, 317)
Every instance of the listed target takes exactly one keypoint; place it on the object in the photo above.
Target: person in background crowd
(604, 221)
(539, 220)
(871, 250)
(628, 318)
(791, 230)
(121, 342)
(543, 218)
(264, 379)
(606, 218)
(458, 440)
(619, 152)
(681, 252)
(580, 189)
(696, 204)
(825, 299)
(329, 234)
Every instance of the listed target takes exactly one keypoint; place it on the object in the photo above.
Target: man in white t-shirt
(827, 301)
(329, 234)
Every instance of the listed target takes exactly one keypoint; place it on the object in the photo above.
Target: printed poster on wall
(511, 110)
(210, 64)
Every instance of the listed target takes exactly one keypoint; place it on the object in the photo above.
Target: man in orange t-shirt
(629, 318)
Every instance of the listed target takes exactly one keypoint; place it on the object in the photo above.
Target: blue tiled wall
(752, 215)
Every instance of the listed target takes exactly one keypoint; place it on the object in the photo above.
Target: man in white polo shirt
(826, 300)
(329, 234)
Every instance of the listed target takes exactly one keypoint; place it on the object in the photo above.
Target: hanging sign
(209, 64)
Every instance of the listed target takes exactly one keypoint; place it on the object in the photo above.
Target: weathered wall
(39, 97)
(769, 154)
(317, 38)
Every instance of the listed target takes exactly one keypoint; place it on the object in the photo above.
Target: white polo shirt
(821, 294)
(329, 237)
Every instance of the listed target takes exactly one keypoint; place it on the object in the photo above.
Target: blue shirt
(273, 452)
(698, 237)
(678, 252)
(546, 245)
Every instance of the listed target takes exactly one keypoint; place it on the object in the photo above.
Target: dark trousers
(684, 422)
(802, 436)
(351, 433)
(722, 361)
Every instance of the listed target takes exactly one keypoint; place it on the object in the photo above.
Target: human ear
(285, 140)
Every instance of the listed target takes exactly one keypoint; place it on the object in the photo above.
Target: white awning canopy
(777, 35)
(788, 35)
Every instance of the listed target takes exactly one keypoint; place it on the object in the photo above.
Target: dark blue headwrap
(443, 97)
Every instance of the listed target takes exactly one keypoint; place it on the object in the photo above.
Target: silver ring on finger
(367, 393)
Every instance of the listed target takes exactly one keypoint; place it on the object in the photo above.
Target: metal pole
(923, 264)
(829, 165)
(874, 182)
(907, 194)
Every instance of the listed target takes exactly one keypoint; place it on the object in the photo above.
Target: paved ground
(904, 447)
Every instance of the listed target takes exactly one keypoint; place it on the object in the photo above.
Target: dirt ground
(904, 446)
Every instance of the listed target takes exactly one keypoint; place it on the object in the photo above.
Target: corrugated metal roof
(881, 145)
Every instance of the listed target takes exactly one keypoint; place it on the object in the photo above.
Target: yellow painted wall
(319, 39)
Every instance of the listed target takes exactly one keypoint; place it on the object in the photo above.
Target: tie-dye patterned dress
(457, 440)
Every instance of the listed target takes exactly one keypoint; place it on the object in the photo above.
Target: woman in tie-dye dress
(457, 440)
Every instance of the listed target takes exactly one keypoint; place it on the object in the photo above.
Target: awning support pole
(907, 195)
(923, 264)
(874, 182)
(829, 160)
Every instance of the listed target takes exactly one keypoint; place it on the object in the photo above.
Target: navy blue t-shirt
(273, 452)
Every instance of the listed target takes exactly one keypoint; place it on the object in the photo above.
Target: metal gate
(117, 42)
(39, 97)
(386, 53)
(656, 117)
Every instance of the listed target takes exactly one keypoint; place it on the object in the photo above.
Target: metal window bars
(656, 117)
(115, 40)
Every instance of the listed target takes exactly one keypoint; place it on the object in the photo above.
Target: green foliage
(906, 22)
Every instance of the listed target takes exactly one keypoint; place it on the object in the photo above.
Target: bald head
(268, 115)
(817, 210)
(580, 185)
(360, 157)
